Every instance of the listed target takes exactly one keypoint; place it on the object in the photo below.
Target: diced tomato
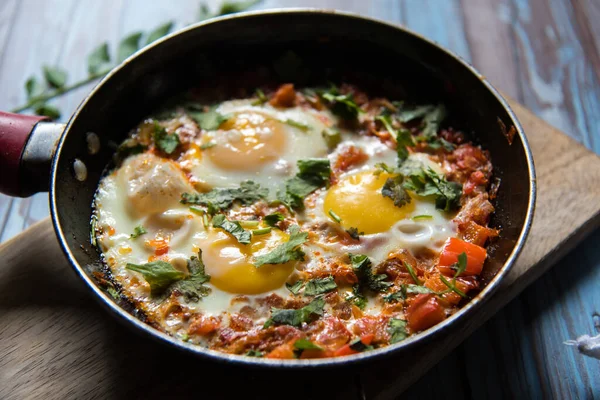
(284, 97)
(346, 350)
(203, 325)
(477, 234)
(161, 246)
(424, 312)
(477, 178)
(453, 248)
(285, 350)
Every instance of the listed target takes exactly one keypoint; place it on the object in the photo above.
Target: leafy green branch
(100, 62)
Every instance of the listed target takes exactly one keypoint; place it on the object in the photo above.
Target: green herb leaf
(357, 298)
(354, 233)
(273, 219)
(408, 113)
(193, 288)
(358, 345)
(412, 273)
(402, 136)
(138, 231)
(165, 141)
(262, 231)
(33, 88)
(99, 60)
(367, 280)
(396, 296)
(416, 289)
(397, 330)
(342, 105)
(288, 251)
(296, 124)
(296, 317)
(48, 111)
(313, 174)
(433, 120)
(208, 145)
(232, 227)
(159, 274)
(254, 353)
(220, 199)
(128, 45)
(452, 286)
(209, 120)
(305, 344)
(383, 167)
(461, 266)
(426, 182)
(319, 286)
(231, 7)
(394, 189)
(296, 287)
(421, 217)
(332, 137)
(159, 32)
(261, 98)
(55, 77)
(334, 216)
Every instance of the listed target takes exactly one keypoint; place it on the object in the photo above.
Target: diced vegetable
(453, 248)
(477, 234)
(347, 349)
(424, 312)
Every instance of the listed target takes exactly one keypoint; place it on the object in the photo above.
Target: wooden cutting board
(56, 342)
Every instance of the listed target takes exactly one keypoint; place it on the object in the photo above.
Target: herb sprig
(100, 62)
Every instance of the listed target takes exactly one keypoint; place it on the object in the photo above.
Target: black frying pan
(323, 46)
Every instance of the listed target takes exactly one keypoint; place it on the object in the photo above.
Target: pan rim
(411, 342)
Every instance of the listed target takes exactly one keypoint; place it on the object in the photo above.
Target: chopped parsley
(342, 105)
(254, 353)
(138, 231)
(209, 120)
(406, 289)
(192, 288)
(362, 267)
(220, 199)
(164, 141)
(423, 216)
(334, 216)
(426, 182)
(357, 298)
(296, 287)
(262, 231)
(403, 138)
(313, 173)
(288, 251)
(394, 189)
(319, 286)
(296, 124)
(273, 219)
(232, 227)
(460, 266)
(412, 273)
(305, 344)
(296, 317)
(159, 274)
(358, 345)
(354, 233)
(332, 137)
(397, 330)
(261, 98)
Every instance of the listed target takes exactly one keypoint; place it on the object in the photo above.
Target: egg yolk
(358, 201)
(246, 141)
(230, 263)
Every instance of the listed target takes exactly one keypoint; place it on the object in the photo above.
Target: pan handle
(27, 146)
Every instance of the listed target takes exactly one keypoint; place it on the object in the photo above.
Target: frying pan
(305, 46)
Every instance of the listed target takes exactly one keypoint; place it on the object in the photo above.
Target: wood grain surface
(544, 53)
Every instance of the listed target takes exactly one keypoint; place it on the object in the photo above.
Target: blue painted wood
(544, 52)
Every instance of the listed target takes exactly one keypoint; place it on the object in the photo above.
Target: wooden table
(546, 54)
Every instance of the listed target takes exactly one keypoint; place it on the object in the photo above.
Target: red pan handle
(15, 133)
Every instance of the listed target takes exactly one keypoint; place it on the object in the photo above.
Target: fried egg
(259, 143)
